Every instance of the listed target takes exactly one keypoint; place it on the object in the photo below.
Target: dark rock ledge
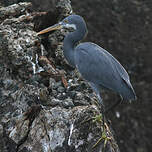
(44, 105)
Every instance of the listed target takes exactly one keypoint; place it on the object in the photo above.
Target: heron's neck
(70, 42)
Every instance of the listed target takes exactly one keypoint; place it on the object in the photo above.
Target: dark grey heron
(95, 64)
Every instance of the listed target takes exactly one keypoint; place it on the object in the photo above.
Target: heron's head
(72, 21)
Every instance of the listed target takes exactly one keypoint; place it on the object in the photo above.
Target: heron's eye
(66, 21)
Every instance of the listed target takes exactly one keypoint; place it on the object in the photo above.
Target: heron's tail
(129, 96)
(128, 93)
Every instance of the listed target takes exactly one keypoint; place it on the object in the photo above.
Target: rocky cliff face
(44, 105)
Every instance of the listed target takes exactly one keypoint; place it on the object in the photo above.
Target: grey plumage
(93, 61)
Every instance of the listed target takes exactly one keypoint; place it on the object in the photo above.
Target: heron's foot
(103, 138)
(98, 118)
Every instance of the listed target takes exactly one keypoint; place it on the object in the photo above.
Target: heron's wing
(100, 67)
(120, 70)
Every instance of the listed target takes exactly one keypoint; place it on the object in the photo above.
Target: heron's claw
(104, 138)
(97, 118)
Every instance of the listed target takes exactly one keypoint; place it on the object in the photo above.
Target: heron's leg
(96, 89)
(102, 107)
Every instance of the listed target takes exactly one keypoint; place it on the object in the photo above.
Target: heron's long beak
(51, 28)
